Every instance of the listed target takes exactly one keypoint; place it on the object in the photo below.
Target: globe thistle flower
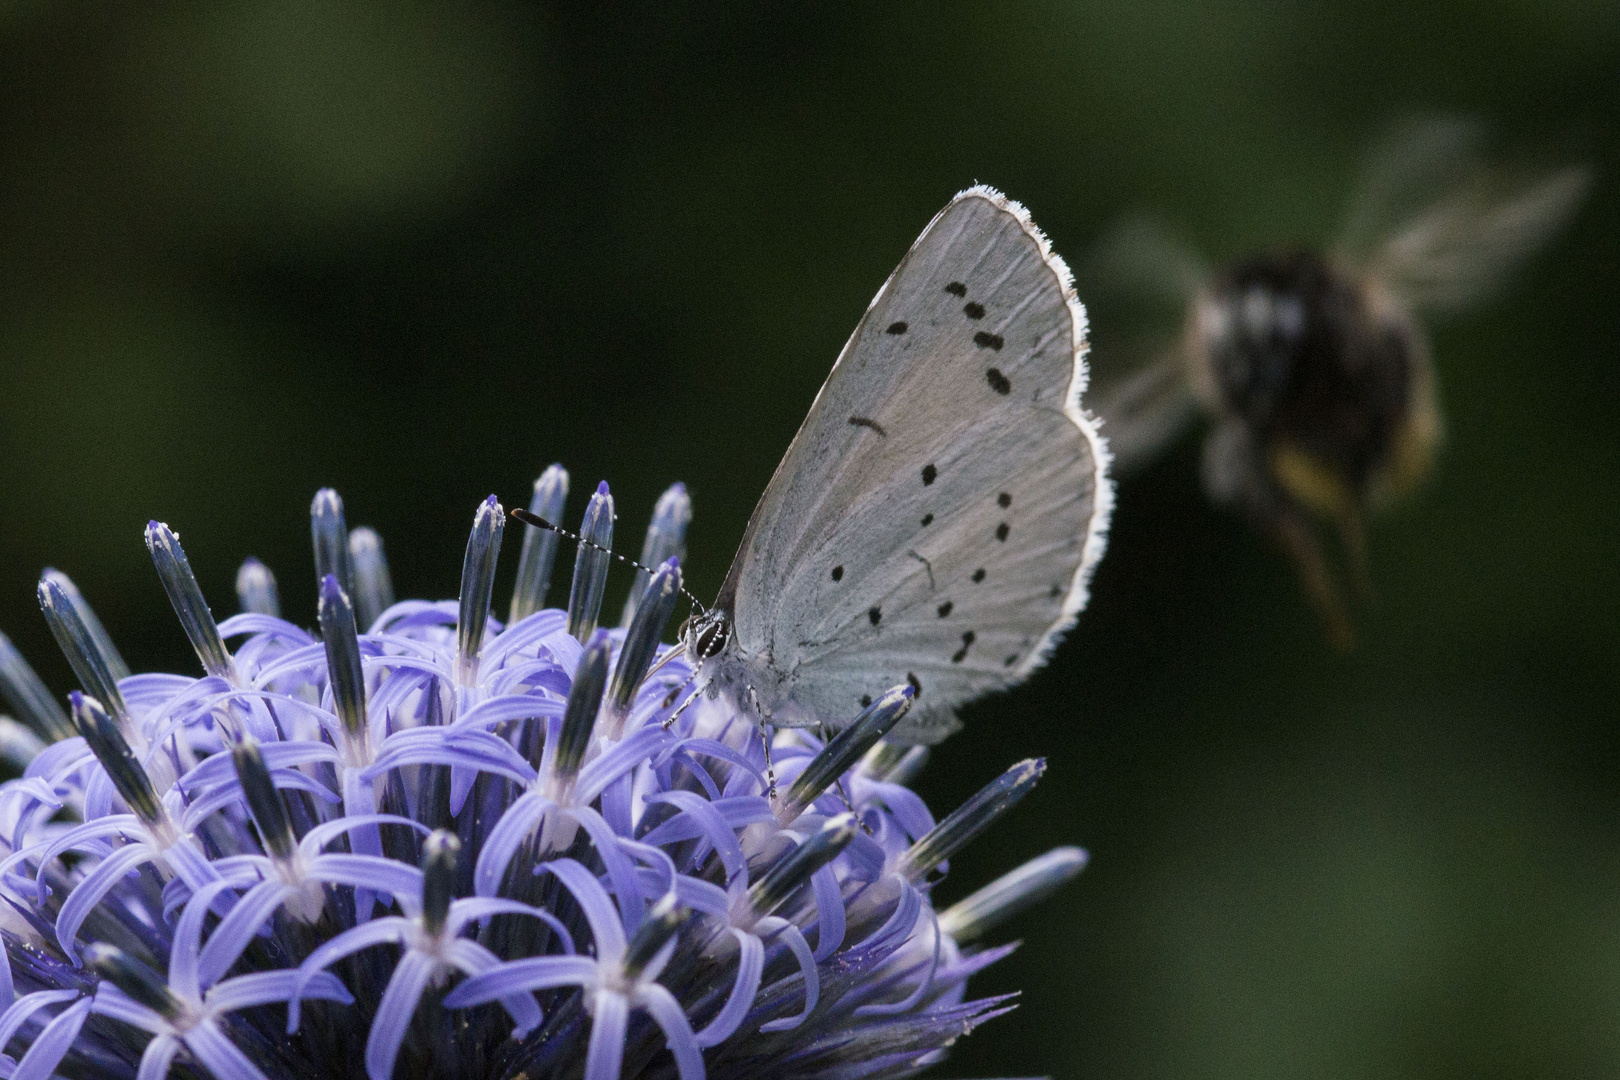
(423, 842)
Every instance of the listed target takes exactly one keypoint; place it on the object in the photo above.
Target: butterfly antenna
(539, 522)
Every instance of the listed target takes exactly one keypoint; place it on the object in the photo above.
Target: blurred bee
(1312, 366)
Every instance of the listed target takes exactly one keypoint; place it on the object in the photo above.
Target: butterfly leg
(763, 715)
(675, 693)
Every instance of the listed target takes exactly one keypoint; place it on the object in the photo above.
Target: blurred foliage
(418, 251)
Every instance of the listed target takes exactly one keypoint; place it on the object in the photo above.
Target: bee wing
(1440, 227)
(1139, 282)
(1146, 412)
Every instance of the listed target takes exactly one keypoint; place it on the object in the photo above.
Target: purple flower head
(427, 843)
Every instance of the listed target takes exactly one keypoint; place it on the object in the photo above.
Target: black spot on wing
(1001, 532)
(1004, 500)
(865, 422)
(1056, 591)
(998, 382)
(956, 288)
(961, 654)
(896, 327)
(986, 340)
(973, 310)
(874, 613)
(928, 519)
(866, 700)
(1010, 661)
(916, 687)
(928, 474)
(945, 609)
(978, 575)
(838, 573)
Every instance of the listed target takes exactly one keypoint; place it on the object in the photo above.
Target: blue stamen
(256, 589)
(970, 919)
(844, 750)
(663, 921)
(477, 583)
(18, 747)
(794, 869)
(373, 587)
(888, 759)
(186, 596)
(112, 750)
(539, 545)
(263, 800)
(330, 534)
(134, 978)
(83, 641)
(103, 640)
(970, 819)
(641, 642)
(666, 539)
(28, 696)
(343, 657)
(591, 565)
(584, 700)
(439, 853)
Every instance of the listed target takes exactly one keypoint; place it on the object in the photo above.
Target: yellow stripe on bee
(1313, 484)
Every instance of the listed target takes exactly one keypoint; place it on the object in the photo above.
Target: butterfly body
(937, 517)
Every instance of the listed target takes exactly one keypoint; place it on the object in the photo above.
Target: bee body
(1327, 375)
(1312, 367)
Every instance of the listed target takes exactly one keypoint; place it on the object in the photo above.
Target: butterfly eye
(713, 638)
(706, 636)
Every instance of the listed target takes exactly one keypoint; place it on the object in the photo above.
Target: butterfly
(938, 516)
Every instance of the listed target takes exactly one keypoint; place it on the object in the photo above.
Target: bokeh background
(415, 251)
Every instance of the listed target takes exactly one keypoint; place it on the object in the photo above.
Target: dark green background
(417, 252)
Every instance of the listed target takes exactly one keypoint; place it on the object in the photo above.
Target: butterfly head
(706, 635)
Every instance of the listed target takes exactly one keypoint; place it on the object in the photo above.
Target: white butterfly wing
(938, 516)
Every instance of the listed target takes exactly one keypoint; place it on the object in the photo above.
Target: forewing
(938, 515)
